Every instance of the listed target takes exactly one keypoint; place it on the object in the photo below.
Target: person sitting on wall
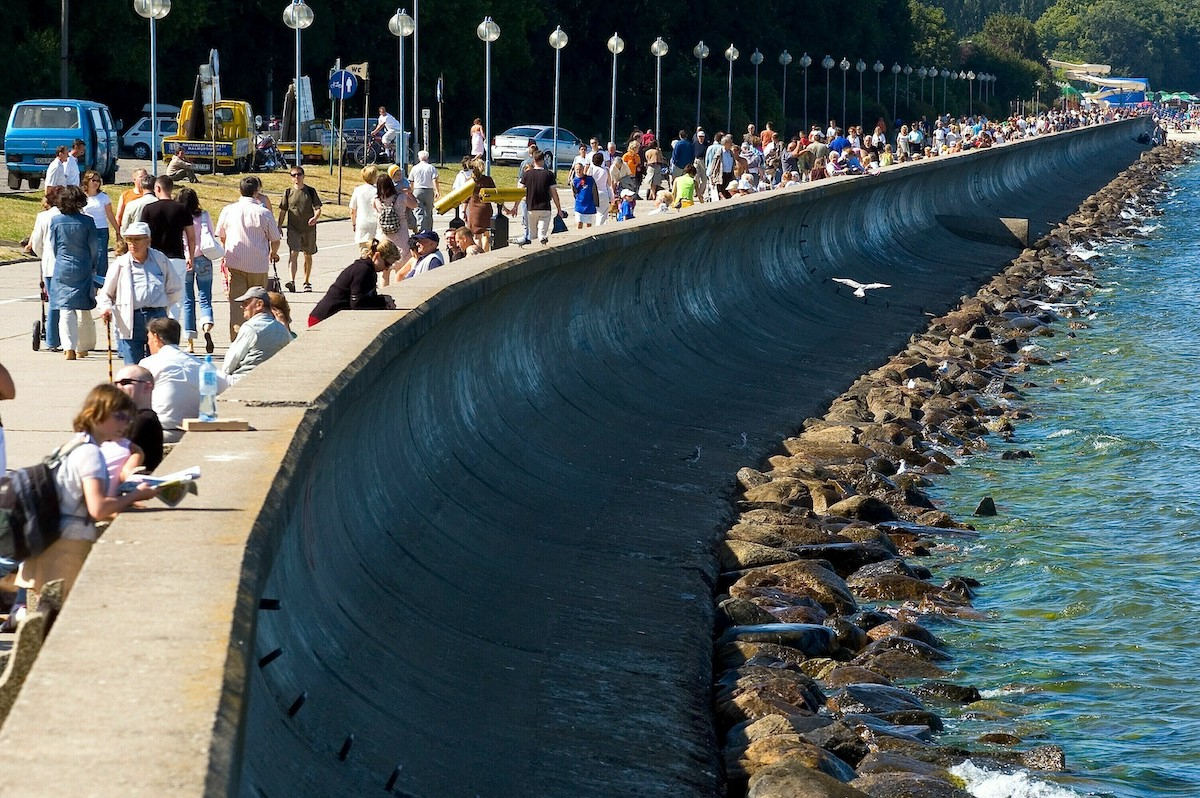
(357, 287)
(259, 338)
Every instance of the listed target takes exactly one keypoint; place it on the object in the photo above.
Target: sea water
(1091, 569)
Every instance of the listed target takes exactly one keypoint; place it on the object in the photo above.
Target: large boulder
(907, 785)
(792, 779)
(862, 508)
(742, 763)
(846, 558)
(735, 555)
(782, 583)
(812, 639)
(872, 699)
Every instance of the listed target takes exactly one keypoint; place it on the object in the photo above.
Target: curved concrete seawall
(468, 549)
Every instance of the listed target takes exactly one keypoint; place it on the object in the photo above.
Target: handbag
(273, 282)
(210, 245)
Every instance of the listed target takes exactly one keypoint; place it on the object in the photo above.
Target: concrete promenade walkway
(50, 389)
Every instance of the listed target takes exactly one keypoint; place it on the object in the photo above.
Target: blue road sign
(342, 84)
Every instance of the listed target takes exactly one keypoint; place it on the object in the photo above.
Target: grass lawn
(17, 211)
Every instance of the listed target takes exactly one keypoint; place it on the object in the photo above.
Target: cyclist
(392, 125)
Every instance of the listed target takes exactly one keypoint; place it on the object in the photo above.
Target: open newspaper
(172, 487)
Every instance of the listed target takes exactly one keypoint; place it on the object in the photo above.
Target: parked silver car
(512, 145)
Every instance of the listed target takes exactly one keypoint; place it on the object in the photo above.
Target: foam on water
(983, 783)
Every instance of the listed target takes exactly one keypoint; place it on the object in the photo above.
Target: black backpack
(29, 507)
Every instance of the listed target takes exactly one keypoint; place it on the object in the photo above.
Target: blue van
(36, 128)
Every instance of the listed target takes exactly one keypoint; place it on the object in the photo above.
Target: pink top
(248, 230)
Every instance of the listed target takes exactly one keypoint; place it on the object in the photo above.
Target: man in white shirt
(78, 151)
(176, 394)
(426, 188)
(56, 172)
(391, 125)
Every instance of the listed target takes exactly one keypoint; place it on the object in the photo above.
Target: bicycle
(374, 151)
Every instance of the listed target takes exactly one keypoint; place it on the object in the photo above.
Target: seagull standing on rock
(860, 289)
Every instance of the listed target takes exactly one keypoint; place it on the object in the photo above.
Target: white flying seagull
(860, 289)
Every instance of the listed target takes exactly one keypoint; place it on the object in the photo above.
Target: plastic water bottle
(208, 390)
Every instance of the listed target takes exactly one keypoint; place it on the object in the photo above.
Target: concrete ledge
(483, 524)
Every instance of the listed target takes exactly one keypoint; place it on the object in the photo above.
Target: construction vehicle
(226, 138)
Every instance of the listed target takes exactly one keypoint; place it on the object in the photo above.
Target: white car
(512, 146)
(137, 137)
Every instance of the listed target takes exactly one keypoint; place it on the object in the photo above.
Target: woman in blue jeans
(198, 282)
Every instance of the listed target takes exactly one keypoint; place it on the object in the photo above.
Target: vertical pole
(783, 112)
(342, 151)
(154, 147)
(487, 134)
(415, 101)
(401, 152)
(554, 146)
(334, 128)
(806, 101)
(612, 119)
(295, 116)
(657, 95)
(756, 127)
(699, 83)
(729, 100)
(63, 54)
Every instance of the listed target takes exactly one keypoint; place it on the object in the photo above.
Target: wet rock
(840, 740)
(791, 779)
(947, 691)
(747, 732)
(739, 652)
(853, 674)
(873, 699)
(907, 645)
(869, 534)
(900, 665)
(847, 635)
(907, 785)
(894, 588)
(846, 558)
(912, 631)
(999, 738)
(734, 555)
(893, 567)
(741, 612)
(896, 762)
(743, 763)
(818, 453)
(1016, 454)
(962, 586)
(784, 582)
(869, 619)
(813, 640)
(801, 613)
(752, 692)
(781, 536)
(863, 508)
(987, 506)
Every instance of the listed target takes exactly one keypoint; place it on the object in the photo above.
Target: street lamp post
(488, 32)
(615, 46)
(701, 52)
(945, 74)
(731, 55)
(922, 72)
(845, 67)
(827, 62)
(805, 63)
(878, 71)
(785, 58)
(971, 92)
(908, 89)
(155, 10)
(401, 25)
(756, 58)
(895, 87)
(861, 67)
(558, 40)
(296, 16)
(416, 103)
(658, 50)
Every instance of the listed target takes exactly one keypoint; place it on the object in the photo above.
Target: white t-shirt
(83, 462)
(95, 208)
(389, 122)
(362, 202)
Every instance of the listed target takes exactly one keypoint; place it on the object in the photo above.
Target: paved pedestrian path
(50, 389)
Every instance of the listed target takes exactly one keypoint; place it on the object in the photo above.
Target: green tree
(932, 39)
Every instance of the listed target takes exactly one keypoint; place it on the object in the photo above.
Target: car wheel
(14, 180)
(141, 151)
(34, 183)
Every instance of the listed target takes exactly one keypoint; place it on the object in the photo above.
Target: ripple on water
(1090, 571)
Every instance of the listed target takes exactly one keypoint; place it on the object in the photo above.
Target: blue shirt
(585, 197)
(682, 153)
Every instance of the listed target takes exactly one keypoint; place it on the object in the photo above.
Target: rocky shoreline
(826, 681)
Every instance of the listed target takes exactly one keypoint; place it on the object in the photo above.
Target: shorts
(302, 239)
(585, 218)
